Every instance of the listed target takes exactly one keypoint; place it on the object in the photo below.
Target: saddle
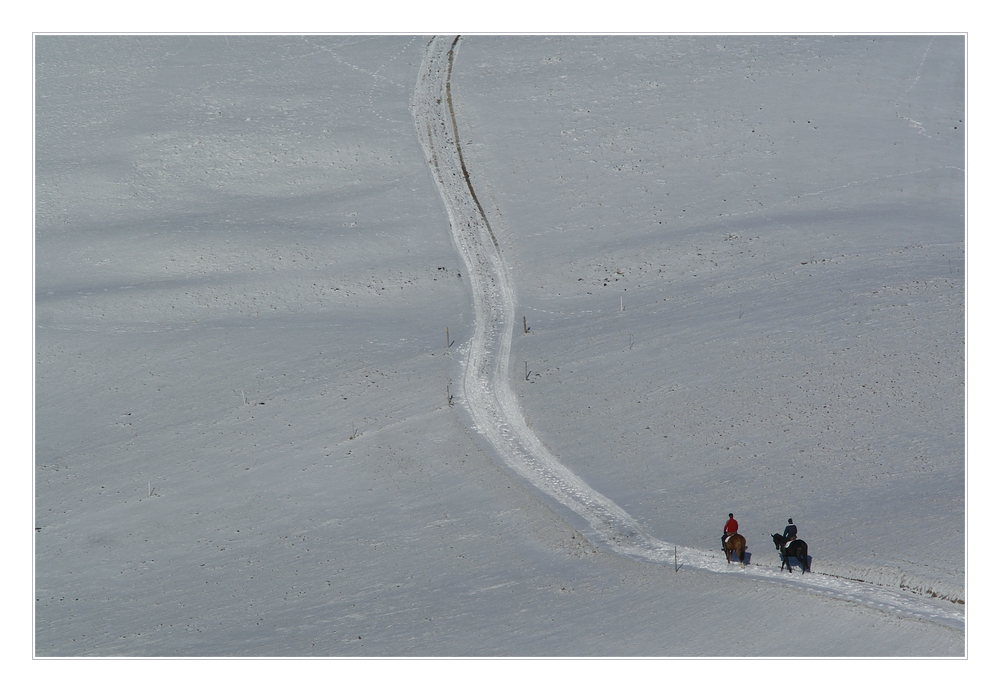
(788, 541)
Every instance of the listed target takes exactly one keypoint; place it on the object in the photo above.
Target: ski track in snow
(487, 395)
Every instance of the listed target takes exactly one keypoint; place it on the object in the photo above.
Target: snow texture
(732, 269)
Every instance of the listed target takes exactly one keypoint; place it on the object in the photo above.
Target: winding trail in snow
(486, 392)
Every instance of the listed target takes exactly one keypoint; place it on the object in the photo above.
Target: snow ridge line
(485, 387)
(458, 147)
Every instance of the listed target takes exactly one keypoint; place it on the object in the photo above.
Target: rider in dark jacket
(791, 533)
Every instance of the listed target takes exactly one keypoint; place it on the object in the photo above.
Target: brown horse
(735, 546)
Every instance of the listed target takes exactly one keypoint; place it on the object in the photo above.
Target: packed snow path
(485, 387)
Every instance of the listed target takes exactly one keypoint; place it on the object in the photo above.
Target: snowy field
(286, 404)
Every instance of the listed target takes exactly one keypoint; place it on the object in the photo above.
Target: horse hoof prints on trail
(736, 546)
(796, 548)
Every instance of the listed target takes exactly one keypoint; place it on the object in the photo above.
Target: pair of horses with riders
(788, 545)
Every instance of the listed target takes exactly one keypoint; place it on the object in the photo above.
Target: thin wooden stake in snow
(622, 298)
(675, 559)
(447, 338)
(525, 370)
(525, 320)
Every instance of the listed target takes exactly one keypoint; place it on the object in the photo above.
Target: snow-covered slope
(487, 393)
(245, 273)
(782, 220)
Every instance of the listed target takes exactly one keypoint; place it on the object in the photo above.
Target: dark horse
(735, 546)
(797, 549)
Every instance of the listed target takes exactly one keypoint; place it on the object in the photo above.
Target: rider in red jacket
(731, 526)
(729, 529)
